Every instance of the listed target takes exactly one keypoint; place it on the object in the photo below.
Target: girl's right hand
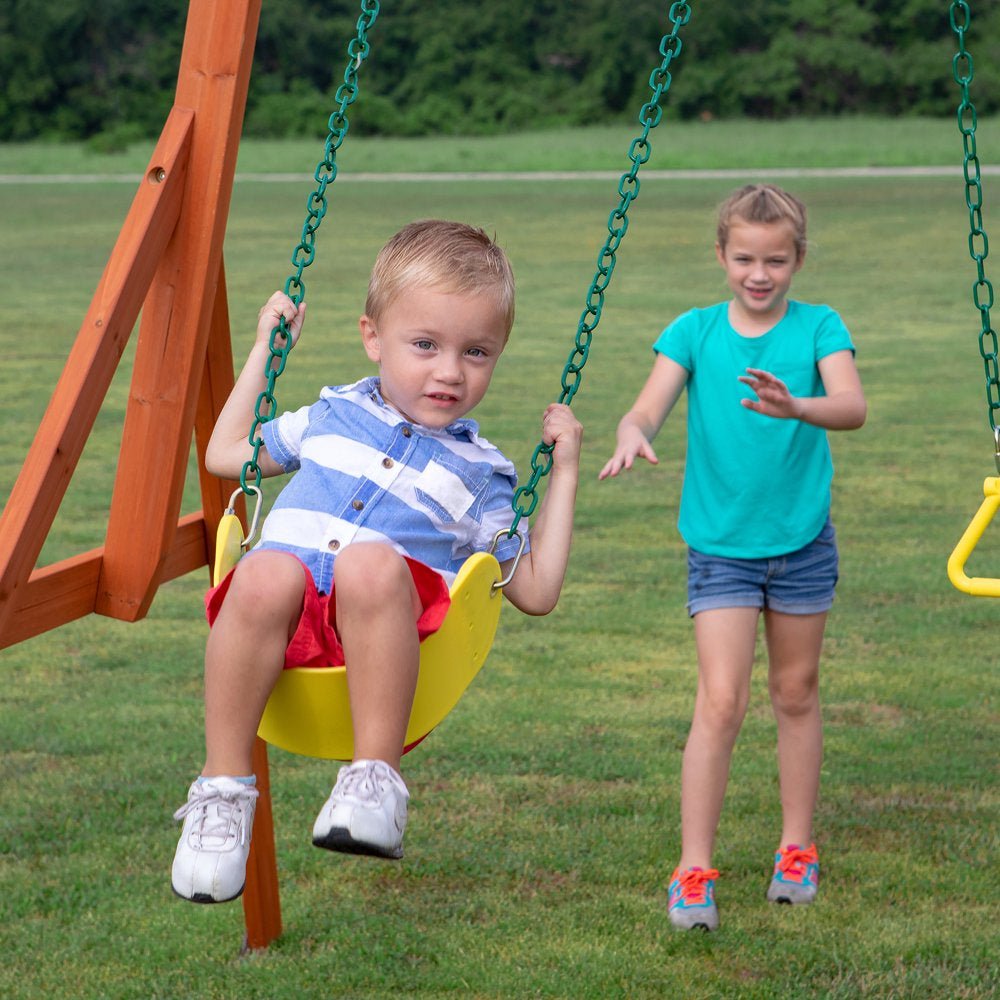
(278, 305)
(632, 444)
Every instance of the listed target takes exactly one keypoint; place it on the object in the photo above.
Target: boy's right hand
(632, 444)
(278, 305)
(561, 428)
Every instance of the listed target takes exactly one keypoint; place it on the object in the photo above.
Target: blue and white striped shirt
(365, 473)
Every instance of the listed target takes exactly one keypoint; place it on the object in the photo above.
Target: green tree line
(78, 69)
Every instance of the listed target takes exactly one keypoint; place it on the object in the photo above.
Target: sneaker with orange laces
(692, 899)
(796, 875)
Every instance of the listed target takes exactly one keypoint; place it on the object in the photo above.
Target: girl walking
(766, 377)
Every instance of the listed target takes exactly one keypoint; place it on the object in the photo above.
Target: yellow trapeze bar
(978, 586)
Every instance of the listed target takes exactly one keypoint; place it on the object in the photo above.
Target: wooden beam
(173, 337)
(69, 419)
(67, 590)
(216, 385)
(261, 902)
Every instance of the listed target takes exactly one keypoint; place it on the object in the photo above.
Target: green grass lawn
(544, 818)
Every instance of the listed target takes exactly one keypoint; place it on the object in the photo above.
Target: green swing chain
(280, 342)
(979, 245)
(525, 497)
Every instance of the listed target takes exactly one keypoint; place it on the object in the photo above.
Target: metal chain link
(979, 245)
(525, 497)
(280, 342)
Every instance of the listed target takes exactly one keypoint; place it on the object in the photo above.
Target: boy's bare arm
(538, 581)
(229, 446)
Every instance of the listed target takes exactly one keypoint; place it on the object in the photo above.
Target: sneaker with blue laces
(796, 875)
(366, 811)
(211, 859)
(691, 902)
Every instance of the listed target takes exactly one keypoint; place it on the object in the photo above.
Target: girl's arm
(229, 446)
(843, 408)
(642, 423)
(539, 578)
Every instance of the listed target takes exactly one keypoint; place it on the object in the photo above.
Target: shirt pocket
(449, 491)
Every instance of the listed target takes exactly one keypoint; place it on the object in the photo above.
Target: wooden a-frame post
(167, 262)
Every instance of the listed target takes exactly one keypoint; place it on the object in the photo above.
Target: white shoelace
(361, 781)
(221, 813)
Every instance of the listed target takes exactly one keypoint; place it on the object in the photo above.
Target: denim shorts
(799, 583)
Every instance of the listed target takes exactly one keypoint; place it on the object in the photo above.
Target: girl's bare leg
(794, 643)
(726, 639)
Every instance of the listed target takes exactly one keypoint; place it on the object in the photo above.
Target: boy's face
(759, 260)
(436, 352)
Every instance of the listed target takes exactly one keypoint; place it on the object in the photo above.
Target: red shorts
(315, 642)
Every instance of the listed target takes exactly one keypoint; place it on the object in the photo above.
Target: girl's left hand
(773, 398)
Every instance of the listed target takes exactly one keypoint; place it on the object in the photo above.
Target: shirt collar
(372, 387)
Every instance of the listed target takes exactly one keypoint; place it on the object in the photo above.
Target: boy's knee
(371, 572)
(267, 579)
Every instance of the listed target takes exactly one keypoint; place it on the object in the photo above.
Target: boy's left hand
(773, 398)
(561, 428)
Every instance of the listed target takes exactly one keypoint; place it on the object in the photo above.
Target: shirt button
(406, 432)
(333, 545)
(387, 463)
(358, 504)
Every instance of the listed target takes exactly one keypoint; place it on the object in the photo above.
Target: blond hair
(763, 203)
(447, 256)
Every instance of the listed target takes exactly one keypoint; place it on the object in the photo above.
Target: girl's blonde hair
(763, 203)
(447, 256)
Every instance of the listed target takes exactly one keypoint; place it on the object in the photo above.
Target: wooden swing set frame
(168, 264)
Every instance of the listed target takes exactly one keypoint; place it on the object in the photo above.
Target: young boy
(394, 489)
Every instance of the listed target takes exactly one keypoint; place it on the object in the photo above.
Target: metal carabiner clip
(500, 584)
(255, 519)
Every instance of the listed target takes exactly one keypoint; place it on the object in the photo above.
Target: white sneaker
(211, 859)
(366, 811)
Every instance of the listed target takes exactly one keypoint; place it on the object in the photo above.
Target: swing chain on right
(979, 246)
(280, 343)
(525, 497)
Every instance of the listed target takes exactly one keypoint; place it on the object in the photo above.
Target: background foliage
(77, 70)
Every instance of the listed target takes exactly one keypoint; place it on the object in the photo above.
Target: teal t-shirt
(754, 486)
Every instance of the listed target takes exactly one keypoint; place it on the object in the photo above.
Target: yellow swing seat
(309, 710)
